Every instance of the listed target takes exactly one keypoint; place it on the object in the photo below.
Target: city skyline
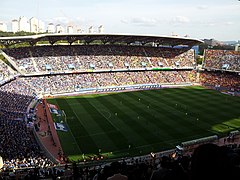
(35, 25)
(197, 19)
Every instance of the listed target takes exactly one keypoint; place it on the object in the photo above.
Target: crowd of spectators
(18, 147)
(222, 60)
(57, 59)
(6, 73)
(208, 161)
(15, 97)
(74, 82)
(221, 80)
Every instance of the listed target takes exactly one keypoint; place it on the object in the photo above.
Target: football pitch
(124, 124)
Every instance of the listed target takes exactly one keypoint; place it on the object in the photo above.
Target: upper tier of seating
(223, 60)
(58, 59)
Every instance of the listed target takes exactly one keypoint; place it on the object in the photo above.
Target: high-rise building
(90, 30)
(70, 29)
(50, 28)
(41, 26)
(59, 28)
(23, 24)
(14, 25)
(3, 26)
(34, 25)
(100, 29)
(237, 47)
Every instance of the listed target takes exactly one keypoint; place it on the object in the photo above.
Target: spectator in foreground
(116, 170)
(210, 161)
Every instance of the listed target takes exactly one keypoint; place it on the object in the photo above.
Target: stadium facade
(57, 64)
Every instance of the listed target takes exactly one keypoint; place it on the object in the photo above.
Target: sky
(202, 19)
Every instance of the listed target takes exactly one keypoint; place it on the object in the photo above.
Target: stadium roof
(104, 38)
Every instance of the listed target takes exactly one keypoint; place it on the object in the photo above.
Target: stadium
(96, 99)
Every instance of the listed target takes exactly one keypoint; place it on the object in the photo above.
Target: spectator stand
(221, 60)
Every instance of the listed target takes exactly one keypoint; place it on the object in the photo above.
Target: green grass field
(137, 123)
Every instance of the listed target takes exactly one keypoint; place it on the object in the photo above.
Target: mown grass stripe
(120, 125)
(130, 118)
(189, 122)
(209, 114)
(161, 124)
(98, 135)
(186, 105)
(104, 124)
(149, 114)
(177, 116)
(158, 130)
(86, 120)
(86, 144)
